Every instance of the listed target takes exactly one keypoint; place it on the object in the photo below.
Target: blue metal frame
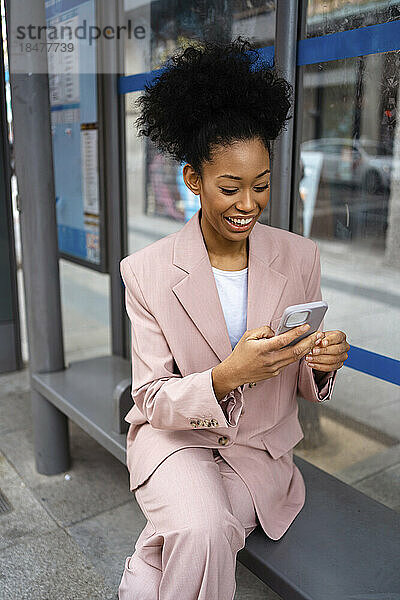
(374, 39)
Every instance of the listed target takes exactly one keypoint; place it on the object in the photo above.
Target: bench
(343, 545)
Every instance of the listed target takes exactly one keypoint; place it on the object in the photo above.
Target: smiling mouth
(241, 225)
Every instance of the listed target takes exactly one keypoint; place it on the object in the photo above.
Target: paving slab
(15, 412)
(27, 516)
(95, 482)
(383, 487)
(371, 466)
(388, 418)
(14, 382)
(50, 567)
(108, 538)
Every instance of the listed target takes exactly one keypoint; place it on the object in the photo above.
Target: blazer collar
(198, 293)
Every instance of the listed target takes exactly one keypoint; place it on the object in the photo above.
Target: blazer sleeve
(166, 399)
(307, 385)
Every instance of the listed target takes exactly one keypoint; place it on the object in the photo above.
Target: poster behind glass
(74, 126)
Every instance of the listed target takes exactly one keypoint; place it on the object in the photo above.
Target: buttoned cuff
(324, 386)
(231, 404)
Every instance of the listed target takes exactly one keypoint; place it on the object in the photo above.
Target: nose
(247, 205)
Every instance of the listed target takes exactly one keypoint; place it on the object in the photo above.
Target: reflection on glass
(332, 16)
(158, 28)
(349, 203)
(348, 150)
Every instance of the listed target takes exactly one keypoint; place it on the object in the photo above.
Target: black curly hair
(213, 93)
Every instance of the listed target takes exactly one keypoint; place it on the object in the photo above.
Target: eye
(261, 189)
(229, 192)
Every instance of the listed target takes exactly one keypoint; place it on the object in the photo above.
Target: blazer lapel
(198, 293)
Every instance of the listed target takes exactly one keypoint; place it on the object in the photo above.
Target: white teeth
(239, 221)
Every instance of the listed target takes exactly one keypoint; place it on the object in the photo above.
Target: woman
(212, 430)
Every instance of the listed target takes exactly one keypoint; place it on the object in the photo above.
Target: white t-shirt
(232, 290)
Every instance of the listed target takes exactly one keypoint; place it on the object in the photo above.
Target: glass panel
(157, 28)
(349, 204)
(332, 16)
(350, 187)
(158, 201)
(85, 303)
(352, 437)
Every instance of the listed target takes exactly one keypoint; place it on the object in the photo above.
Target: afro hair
(209, 94)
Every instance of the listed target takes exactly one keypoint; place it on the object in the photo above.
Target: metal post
(298, 108)
(111, 126)
(285, 61)
(34, 169)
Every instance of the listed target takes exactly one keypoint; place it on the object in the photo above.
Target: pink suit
(178, 335)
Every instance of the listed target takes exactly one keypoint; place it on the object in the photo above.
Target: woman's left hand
(330, 352)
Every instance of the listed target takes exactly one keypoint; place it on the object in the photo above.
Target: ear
(191, 179)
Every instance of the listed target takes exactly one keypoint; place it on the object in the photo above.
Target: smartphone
(300, 314)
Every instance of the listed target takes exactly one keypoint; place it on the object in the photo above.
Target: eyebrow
(235, 177)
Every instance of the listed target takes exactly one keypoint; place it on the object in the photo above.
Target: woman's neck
(222, 258)
(229, 263)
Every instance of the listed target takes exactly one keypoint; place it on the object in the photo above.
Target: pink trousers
(199, 512)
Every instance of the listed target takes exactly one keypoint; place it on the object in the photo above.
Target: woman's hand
(330, 353)
(259, 354)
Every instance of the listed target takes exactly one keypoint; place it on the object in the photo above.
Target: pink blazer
(179, 334)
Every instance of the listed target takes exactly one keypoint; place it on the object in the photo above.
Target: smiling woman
(203, 299)
(231, 201)
(217, 108)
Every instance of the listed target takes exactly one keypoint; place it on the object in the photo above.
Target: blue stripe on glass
(268, 54)
(377, 365)
(136, 83)
(373, 39)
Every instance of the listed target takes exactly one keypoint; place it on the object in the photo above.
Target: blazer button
(214, 423)
(252, 384)
(193, 422)
(223, 440)
(207, 422)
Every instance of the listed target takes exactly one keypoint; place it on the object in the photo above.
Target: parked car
(360, 163)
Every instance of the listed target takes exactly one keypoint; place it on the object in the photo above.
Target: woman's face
(235, 184)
